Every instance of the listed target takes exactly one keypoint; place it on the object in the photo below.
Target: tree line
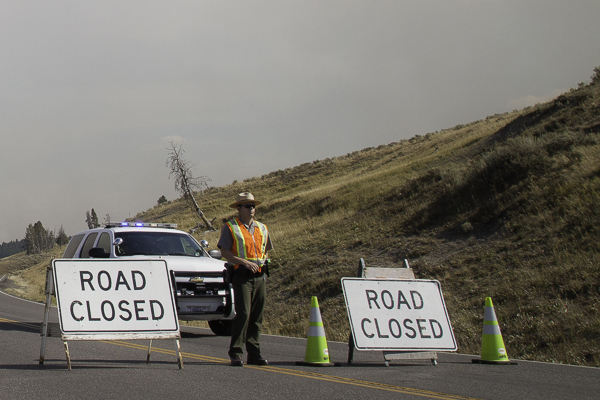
(12, 247)
(37, 240)
(40, 240)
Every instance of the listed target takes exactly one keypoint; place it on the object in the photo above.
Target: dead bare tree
(185, 183)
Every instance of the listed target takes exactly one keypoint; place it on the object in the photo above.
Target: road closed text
(109, 296)
(394, 327)
(108, 310)
(397, 314)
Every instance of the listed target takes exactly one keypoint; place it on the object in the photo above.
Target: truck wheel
(220, 327)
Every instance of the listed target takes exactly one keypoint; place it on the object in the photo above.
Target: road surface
(118, 370)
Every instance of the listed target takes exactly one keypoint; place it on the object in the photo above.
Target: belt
(242, 271)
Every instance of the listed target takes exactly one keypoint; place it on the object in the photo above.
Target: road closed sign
(398, 315)
(112, 297)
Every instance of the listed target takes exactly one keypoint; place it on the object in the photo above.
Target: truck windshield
(157, 244)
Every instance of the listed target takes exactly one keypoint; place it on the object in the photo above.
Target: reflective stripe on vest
(245, 245)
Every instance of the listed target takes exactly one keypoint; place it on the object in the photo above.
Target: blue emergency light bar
(140, 225)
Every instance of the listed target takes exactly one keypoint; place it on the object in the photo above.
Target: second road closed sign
(398, 315)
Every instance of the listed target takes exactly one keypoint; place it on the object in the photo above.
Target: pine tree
(95, 223)
(38, 239)
(62, 238)
(91, 219)
(88, 220)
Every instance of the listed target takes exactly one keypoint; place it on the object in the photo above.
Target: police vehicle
(201, 289)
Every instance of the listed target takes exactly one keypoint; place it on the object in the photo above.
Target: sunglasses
(249, 206)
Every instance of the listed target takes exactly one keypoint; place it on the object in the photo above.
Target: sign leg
(49, 287)
(359, 274)
(179, 358)
(67, 355)
(350, 349)
(149, 349)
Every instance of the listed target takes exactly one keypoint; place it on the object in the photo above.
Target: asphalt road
(118, 370)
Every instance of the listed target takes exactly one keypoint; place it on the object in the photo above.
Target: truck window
(104, 242)
(87, 245)
(73, 245)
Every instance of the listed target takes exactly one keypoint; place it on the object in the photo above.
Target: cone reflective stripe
(315, 326)
(317, 352)
(492, 345)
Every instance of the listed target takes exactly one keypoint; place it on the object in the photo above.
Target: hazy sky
(92, 92)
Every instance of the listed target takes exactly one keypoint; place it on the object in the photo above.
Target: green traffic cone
(317, 353)
(493, 350)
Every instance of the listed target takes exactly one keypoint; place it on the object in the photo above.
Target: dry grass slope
(506, 207)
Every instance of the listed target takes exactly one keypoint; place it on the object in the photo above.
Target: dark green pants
(249, 295)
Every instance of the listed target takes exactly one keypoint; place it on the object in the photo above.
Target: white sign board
(398, 315)
(115, 297)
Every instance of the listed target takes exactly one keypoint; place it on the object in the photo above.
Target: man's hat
(244, 198)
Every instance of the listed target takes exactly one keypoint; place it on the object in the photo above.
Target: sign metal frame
(61, 274)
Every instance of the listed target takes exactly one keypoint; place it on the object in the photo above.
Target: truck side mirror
(215, 253)
(98, 252)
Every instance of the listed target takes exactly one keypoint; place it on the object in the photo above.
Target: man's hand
(251, 266)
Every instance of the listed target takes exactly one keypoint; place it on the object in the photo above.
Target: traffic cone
(492, 345)
(317, 353)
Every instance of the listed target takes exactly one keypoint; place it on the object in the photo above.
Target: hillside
(506, 207)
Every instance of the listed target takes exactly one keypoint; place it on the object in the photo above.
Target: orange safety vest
(247, 246)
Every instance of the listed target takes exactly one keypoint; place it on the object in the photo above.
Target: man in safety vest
(244, 243)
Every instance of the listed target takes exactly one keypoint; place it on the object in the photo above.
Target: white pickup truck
(201, 291)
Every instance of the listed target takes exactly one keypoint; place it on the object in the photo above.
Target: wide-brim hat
(244, 198)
